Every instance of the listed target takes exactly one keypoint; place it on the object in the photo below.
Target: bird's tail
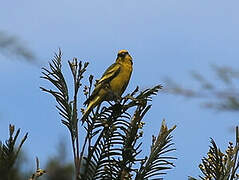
(91, 105)
(95, 102)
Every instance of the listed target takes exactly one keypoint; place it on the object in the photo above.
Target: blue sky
(165, 38)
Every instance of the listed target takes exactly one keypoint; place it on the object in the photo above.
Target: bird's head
(124, 56)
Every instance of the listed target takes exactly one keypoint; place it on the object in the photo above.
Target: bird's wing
(108, 75)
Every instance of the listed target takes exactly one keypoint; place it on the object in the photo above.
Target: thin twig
(39, 172)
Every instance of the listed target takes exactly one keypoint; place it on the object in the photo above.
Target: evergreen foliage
(113, 136)
(9, 152)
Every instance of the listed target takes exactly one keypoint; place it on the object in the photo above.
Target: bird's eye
(122, 54)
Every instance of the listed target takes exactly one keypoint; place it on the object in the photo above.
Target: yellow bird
(112, 83)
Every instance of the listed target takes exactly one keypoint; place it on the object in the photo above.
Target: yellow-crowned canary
(112, 84)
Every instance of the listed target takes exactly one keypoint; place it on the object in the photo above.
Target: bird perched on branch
(112, 84)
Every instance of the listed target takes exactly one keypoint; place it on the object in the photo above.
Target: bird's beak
(130, 57)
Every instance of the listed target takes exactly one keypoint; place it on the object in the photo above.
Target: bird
(112, 84)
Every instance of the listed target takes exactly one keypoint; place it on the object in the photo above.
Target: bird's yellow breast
(120, 82)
